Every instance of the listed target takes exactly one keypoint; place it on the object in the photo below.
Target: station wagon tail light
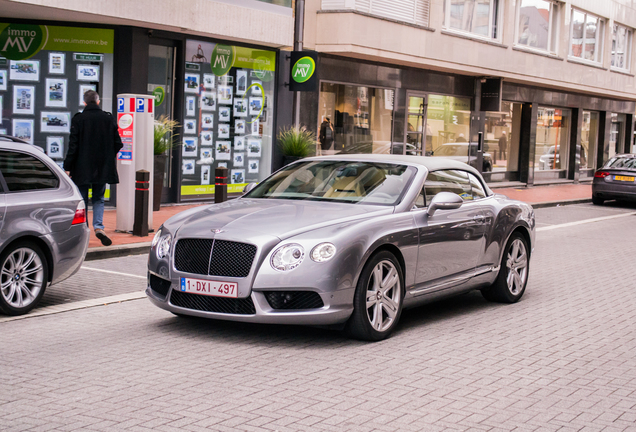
(601, 174)
(323, 252)
(80, 214)
(287, 257)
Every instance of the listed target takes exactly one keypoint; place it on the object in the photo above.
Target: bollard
(220, 185)
(142, 195)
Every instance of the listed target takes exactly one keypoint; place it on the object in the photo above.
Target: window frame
(628, 48)
(553, 27)
(600, 38)
(5, 185)
(469, 174)
(494, 22)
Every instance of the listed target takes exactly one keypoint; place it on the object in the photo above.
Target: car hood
(241, 219)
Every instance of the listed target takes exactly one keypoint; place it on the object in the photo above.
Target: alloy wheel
(517, 265)
(384, 294)
(21, 277)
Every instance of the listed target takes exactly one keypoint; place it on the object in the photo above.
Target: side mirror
(444, 201)
(249, 187)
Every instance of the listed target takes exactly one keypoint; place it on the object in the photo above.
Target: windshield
(621, 162)
(338, 181)
(452, 150)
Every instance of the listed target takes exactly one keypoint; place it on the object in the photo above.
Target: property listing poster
(228, 92)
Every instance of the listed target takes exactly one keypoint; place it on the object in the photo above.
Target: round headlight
(156, 238)
(163, 246)
(287, 257)
(323, 252)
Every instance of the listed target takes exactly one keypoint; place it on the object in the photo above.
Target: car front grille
(214, 257)
(294, 300)
(242, 306)
(159, 285)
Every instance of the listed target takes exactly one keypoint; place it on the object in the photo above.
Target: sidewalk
(127, 244)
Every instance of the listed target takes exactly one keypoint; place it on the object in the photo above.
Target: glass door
(414, 136)
(161, 68)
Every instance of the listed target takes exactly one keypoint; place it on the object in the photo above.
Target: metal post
(142, 195)
(220, 185)
(299, 29)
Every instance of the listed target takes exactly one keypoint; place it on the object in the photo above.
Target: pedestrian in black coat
(92, 155)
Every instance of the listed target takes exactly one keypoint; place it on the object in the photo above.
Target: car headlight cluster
(290, 256)
(162, 243)
(323, 252)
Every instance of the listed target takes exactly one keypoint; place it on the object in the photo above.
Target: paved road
(561, 359)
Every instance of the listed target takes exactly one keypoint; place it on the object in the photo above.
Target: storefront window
(362, 118)
(42, 86)
(589, 140)
(553, 127)
(501, 143)
(228, 116)
(448, 127)
(617, 136)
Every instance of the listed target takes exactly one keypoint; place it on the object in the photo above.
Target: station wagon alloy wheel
(517, 265)
(383, 296)
(23, 278)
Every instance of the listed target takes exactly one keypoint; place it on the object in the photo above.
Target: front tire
(513, 274)
(23, 277)
(377, 303)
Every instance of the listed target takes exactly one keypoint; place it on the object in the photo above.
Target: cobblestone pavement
(561, 359)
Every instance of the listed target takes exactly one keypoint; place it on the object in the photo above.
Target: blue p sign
(141, 104)
(120, 104)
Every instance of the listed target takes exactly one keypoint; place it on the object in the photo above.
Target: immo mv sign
(303, 76)
(23, 41)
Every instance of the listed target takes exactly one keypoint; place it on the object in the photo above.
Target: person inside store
(503, 146)
(327, 136)
(91, 158)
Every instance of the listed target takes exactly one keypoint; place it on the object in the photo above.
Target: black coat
(93, 147)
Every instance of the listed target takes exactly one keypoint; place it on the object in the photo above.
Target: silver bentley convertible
(347, 240)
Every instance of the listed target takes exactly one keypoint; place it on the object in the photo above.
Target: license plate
(209, 288)
(624, 178)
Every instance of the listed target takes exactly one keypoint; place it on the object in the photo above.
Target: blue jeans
(98, 203)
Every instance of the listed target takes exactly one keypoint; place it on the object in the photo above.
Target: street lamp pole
(299, 28)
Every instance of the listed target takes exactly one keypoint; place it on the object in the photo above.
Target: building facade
(411, 76)
(212, 65)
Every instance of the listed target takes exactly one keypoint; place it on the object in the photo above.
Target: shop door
(414, 134)
(617, 135)
(161, 68)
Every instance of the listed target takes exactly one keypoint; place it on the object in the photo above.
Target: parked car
(459, 152)
(43, 231)
(546, 160)
(347, 240)
(616, 180)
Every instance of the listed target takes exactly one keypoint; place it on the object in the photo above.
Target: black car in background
(616, 180)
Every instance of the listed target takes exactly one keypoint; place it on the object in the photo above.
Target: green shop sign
(159, 93)
(303, 70)
(222, 59)
(23, 41)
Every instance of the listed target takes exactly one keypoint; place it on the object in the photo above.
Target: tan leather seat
(345, 187)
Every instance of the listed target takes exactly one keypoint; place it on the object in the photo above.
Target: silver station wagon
(347, 240)
(43, 231)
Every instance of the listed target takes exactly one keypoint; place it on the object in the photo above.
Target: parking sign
(120, 105)
(141, 105)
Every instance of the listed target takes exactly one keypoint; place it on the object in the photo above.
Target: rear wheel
(597, 201)
(513, 273)
(377, 303)
(23, 276)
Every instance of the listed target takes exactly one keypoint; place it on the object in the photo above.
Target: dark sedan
(616, 180)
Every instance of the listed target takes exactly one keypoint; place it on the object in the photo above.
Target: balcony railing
(408, 11)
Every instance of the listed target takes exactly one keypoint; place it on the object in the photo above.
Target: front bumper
(338, 306)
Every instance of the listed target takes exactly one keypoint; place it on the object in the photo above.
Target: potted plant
(164, 141)
(296, 143)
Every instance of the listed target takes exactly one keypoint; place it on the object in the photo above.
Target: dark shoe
(101, 235)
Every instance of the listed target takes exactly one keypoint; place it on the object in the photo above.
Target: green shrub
(297, 142)
(164, 137)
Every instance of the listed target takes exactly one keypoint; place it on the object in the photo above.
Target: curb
(98, 253)
(560, 203)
